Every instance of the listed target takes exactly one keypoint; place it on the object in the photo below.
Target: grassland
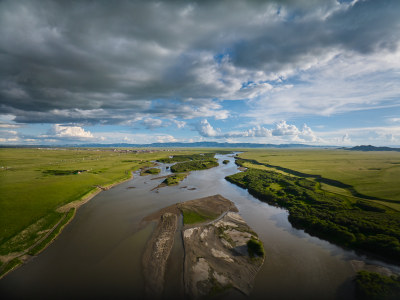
(354, 222)
(195, 216)
(374, 174)
(36, 184)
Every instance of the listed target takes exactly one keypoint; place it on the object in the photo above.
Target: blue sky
(306, 71)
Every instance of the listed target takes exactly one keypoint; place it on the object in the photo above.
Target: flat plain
(36, 185)
(374, 174)
(39, 186)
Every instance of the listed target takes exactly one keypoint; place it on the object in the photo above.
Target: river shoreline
(23, 257)
(100, 253)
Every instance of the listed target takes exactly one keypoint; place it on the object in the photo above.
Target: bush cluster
(373, 286)
(359, 224)
(194, 165)
(183, 158)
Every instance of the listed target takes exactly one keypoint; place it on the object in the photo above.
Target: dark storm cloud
(113, 61)
(366, 27)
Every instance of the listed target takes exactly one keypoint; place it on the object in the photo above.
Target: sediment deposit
(216, 249)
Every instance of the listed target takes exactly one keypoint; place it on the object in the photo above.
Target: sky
(316, 72)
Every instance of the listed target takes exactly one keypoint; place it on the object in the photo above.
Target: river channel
(98, 255)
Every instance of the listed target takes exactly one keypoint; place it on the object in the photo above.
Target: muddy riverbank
(215, 244)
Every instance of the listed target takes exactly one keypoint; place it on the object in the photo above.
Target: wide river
(98, 255)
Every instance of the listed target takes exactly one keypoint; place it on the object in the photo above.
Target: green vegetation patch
(175, 179)
(35, 182)
(188, 157)
(31, 234)
(186, 163)
(374, 174)
(373, 286)
(9, 266)
(39, 247)
(63, 172)
(255, 247)
(194, 165)
(359, 224)
(193, 217)
(225, 162)
(151, 171)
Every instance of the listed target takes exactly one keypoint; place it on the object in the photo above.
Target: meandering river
(98, 255)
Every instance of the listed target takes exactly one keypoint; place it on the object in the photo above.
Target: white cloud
(151, 123)
(9, 136)
(346, 139)
(282, 128)
(281, 132)
(133, 138)
(205, 129)
(165, 138)
(378, 136)
(6, 140)
(394, 120)
(59, 131)
(6, 125)
(307, 134)
(127, 139)
(258, 131)
(179, 124)
(366, 81)
(198, 50)
(8, 132)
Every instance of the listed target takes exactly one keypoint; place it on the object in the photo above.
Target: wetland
(100, 253)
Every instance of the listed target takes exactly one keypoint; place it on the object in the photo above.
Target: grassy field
(195, 216)
(347, 221)
(34, 183)
(375, 174)
(349, 198)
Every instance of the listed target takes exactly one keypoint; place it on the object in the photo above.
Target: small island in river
(221, 252)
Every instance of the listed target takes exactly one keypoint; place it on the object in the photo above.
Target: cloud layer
(281, 131)
(125, 61)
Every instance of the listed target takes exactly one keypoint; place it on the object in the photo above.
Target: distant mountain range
(371, 148)
(178, 145)
(205, 145)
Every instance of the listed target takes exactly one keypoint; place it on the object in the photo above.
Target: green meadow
(347, 197)
(374, 174)
(34, 183)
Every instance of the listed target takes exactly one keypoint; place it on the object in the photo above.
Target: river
(98, 255)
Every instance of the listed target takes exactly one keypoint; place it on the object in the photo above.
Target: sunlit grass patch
(193, 217)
